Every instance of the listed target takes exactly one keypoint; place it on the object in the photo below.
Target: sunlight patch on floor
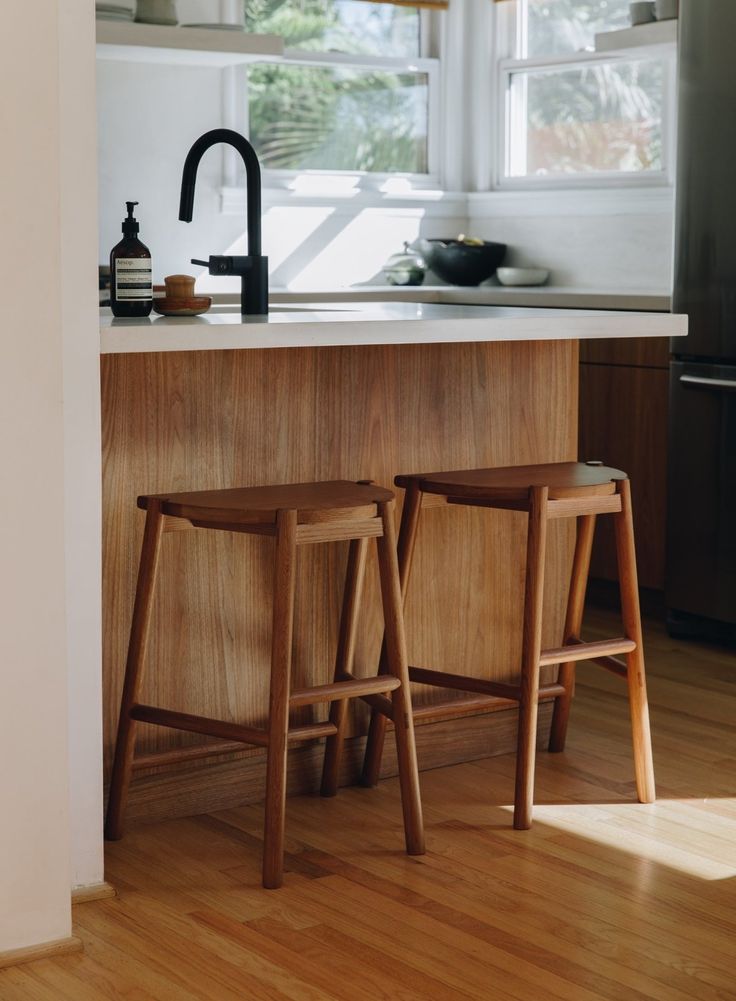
(668, 832)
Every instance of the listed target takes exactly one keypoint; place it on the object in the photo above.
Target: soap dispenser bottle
(131, 279)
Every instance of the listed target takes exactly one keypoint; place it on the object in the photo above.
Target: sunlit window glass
(556, 27)
(350, 26)
(320, 118)
(605, 117)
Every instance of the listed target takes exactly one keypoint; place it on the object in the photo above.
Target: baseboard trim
(46, 950)
(96, 891)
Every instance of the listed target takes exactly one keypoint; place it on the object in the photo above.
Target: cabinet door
(652, 352)
(701, 565)
(623, 421)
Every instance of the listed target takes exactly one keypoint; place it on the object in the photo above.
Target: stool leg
(573, 626)
(629, 588)
(278, 715)
(530, 654)
(344, 659)
(401, 697)
(122, 768)
(407, 539)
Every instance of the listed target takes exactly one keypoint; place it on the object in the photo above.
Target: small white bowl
(522, 276)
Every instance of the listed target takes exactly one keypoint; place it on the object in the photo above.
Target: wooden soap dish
(180, 299)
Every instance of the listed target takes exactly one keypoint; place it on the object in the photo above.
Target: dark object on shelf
(253, 269)
(459, 262)
(131, 288)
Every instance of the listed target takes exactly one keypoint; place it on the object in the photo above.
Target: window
(353, 92)
(571, 115)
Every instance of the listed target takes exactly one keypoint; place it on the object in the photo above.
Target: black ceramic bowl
(462, 263)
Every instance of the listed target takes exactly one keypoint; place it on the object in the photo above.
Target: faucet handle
(220, 265)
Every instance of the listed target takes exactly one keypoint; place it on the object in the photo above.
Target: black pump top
(130, 225)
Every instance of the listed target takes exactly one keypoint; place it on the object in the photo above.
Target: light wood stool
(543, 492)
(296, 514)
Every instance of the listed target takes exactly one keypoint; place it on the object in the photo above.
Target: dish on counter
(461, 261)
(192, 306)
(407, 268)
(522, 276)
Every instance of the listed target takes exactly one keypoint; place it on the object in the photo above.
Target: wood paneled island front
(358, 391)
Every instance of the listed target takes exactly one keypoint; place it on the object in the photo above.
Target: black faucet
(253, 269)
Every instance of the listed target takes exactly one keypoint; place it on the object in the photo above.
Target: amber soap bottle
(131, 278)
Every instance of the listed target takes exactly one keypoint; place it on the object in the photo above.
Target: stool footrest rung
(612, 664)
(463, 683)
(473, 703)
(381, 703)
(350, 688)
(192, 752)
(222, 729)
(578, 650)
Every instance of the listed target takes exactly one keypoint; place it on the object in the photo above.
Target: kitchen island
(329, 391)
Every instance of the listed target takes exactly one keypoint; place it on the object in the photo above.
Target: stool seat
(331, 500)
(513, 483)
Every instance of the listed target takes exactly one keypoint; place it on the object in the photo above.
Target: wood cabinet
(623, 421)
(195, 420)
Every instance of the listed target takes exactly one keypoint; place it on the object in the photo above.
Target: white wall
(34, 831)
(613, 239)
(149, 115)
(80, 320)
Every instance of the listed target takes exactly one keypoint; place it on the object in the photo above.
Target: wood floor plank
(602, 900)
(464, 903)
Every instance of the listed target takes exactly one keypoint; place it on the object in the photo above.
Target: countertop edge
(376, 332)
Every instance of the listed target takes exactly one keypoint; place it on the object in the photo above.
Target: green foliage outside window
(603, 117)
(337, 118)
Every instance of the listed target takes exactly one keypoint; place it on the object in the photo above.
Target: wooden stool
(294, 515)
(559, 490)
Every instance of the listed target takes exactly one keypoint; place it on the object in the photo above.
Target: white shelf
(647, 36)
(154, 43)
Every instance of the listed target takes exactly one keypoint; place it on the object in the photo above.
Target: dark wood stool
(543, 492)
(296, 514)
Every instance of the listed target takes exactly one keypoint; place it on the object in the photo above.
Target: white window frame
(509, 23)
(235, 114)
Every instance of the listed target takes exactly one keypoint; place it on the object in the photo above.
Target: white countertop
(362, 323)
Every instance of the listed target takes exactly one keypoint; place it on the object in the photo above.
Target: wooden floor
(602, 899)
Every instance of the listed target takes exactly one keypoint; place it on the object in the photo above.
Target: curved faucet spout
(252, 175)
(253, 269)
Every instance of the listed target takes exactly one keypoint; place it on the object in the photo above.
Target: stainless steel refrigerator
(701, 537)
